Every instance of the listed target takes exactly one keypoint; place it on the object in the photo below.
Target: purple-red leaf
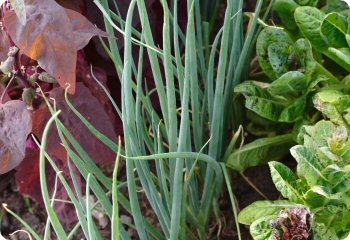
(27, 174)
(52, 35)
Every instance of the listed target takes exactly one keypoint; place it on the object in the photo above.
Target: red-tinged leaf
(83, 30)
(84, 75)
(91, 109)
(52, 37)
(15, 125)
(27, 175)
(28, 180)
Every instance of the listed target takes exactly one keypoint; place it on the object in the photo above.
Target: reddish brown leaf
(28, 180)
(83, 30)
(52, 36)
(15, 125)
(84, 75)
(27, 174)
(91, 109)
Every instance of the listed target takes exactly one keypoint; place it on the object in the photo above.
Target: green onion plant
(174, 150)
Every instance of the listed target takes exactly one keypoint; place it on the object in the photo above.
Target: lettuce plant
(289, 64)
(318, 195)
(308, 54)
(295, 82)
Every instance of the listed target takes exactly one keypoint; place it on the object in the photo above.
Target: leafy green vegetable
(309, 20)
(322, 184)
(260, 151)
(334, 105)
(333, 29)
(266, 38)
(262, 208)
(285, 181)
(285, 10)
(260, 229)
(289, 84)
(298, 76)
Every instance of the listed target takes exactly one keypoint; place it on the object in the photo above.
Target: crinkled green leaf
(262, 208)
(316, 80)
(285, 10)
(270, 109)
(261, 228)
(253, 88)
(332, 103)
(321, 232)
(309, 20)
(333, 28)
(304, 57)
(327, 153)
(285, 181)
(319, 196)
(340, 55)
(336, 217)
(267, 37)
(278, 53)
(333, 173)
(290, 83)
(277, 110)
(260, 152)
(343, 184)
(335, 6)
(307, 2)
(294, 111)
(309, 168)
(319, 133)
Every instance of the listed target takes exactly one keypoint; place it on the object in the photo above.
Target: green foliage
(293, 62)
(172, 149)
(322, 182)
(260, 151)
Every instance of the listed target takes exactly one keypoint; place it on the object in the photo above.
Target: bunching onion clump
(175, 149)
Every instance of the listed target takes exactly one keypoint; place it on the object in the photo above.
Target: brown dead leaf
(15, 125)
(52, 36)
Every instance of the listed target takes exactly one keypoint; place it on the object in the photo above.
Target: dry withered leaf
(52, 35)
(15, 125)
